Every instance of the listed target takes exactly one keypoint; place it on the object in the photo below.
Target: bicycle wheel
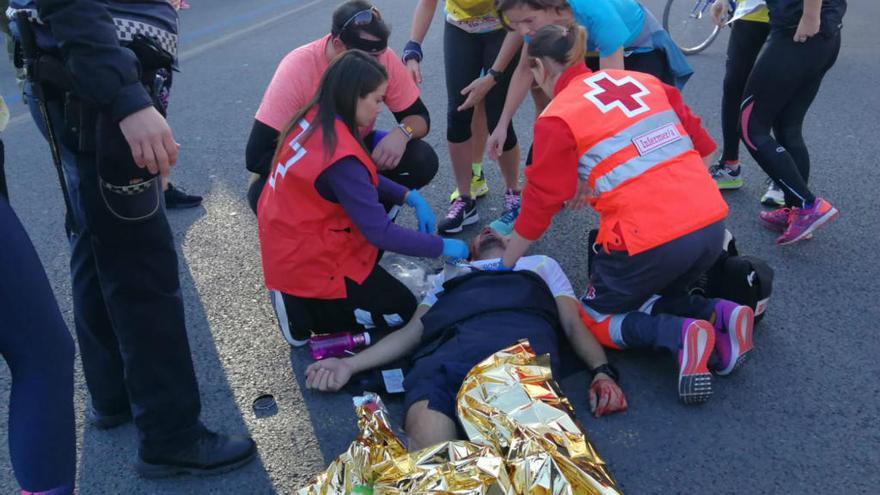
(689, 24)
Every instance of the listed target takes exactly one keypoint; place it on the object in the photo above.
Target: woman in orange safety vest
(322, 214)
(640, 157)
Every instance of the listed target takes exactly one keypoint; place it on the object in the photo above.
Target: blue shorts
(438, 383)
(437, 377)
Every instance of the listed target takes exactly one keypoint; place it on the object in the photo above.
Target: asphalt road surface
(801, 417)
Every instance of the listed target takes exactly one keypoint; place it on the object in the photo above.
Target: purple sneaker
(775, 220)
(806, 220)
(694, 379)
(733, 335)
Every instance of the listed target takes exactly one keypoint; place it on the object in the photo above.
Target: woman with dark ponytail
(321, 219)
(626, 143)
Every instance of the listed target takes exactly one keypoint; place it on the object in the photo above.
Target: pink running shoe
(804, 221)
(733, 335)
(775, 220)
(694, 379)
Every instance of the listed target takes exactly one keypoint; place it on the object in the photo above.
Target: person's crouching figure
(456, 327)
(321, 220)
(627, 145)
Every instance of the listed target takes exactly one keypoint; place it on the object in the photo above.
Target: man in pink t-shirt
(399, 153)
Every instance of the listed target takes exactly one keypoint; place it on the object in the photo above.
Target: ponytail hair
(564, 45)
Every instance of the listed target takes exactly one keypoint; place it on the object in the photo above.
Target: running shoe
(773, 197)
(694, 379)
(733, 335)
(462, 211)
(726, 177)
(479, 187)
(775, 220)
(504, 224)
(804, 221)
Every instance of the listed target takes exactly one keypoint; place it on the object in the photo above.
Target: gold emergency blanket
(524, 439)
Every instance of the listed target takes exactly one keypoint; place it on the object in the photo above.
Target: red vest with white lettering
(310, 245)
(649, 185)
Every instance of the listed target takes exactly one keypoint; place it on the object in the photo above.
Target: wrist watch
(608, 369)
(407, 129)
(494, 73)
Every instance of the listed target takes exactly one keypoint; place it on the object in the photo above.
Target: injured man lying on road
(465, 320)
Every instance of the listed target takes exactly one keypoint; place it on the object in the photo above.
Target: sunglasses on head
(361, 18)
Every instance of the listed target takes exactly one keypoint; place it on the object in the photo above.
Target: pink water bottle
(336, 344)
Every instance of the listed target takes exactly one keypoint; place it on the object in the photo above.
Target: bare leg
(479, 132)
(426, 427)
(461, 155)
(509, 164)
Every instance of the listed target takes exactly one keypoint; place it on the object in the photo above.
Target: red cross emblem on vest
(624, 94)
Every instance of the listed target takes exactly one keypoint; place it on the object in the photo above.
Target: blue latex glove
(455, 249)
(427, 222)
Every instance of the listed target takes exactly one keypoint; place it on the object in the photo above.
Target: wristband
(406, 129)
(495, 74)
(608, 369)
(412, 51)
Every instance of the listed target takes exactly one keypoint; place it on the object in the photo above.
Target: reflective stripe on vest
(676, 143)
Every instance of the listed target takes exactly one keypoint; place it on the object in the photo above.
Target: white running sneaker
(774, 197)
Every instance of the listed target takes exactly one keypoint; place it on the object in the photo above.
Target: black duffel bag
(745, 280)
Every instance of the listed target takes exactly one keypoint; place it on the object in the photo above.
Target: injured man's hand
(328, 375)
(606, 396)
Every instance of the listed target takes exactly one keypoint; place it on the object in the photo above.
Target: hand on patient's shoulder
(328, 375)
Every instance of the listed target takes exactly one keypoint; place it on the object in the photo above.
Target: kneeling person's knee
(418, 165)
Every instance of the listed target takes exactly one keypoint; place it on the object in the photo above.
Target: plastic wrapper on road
(523, 439)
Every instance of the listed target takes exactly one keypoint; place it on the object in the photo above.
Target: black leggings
(379, 295)
(746, 40)
(38, 348)
(466, 55)
(780, 90)
(652, 62)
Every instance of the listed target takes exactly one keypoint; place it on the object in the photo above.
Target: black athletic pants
(466, 56)
(652, 62)
(380, 295)
(746, 40)
(780, 90)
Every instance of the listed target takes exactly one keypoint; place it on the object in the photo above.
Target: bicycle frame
(700, 7)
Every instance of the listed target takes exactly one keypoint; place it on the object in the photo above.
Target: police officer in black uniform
(128, 307)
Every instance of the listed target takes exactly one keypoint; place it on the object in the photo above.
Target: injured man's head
(487, 244)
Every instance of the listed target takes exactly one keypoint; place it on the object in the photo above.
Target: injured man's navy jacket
(466, 319)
